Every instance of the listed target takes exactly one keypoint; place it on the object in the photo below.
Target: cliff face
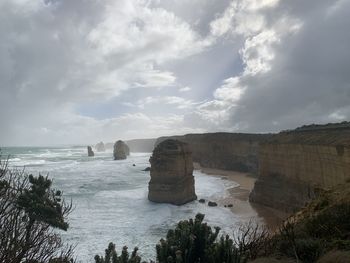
(294, 165)
(121, 150)
(172, 178)
(228, 151)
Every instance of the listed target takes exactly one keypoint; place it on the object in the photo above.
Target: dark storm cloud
(309, 80)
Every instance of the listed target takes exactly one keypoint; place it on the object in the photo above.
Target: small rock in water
(147, 169)
(230, 205)
(210, 203)
(225, 205)
(201, 201)
(134, 165)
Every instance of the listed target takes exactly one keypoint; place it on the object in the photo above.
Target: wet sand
(239, 197)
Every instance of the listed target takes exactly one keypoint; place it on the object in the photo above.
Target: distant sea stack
(90, 151)
(121, 150)
(100, 147)
(295, 166)
(172, 178)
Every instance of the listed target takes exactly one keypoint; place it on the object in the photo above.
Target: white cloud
(178, 102)
(147, 34)
(185, 89)
(258, 52)
(242, 17)
(56, 55)
(156, 78)
(230, 90)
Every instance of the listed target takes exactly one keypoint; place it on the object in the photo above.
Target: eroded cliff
(294, 165)
(228, 151)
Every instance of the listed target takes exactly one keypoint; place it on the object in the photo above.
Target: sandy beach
(239, 197)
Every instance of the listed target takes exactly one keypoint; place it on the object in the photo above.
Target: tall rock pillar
(172, 178)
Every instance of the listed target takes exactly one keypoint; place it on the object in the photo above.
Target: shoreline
(238, 197)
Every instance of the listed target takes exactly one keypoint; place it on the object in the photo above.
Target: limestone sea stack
(171, 172)
(121, 150)
(90, 151)
(100, 147)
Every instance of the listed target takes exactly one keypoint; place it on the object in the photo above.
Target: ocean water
(110, 199)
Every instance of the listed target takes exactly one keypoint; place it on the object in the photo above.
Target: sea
(110, 198)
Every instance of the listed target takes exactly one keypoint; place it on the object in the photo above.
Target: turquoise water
(110, 198)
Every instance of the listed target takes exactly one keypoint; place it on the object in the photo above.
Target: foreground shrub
(194, 241)
(332, 223)
(111, 256)
(335, 257)
(30, 210)
(298, 245)
(253, 240)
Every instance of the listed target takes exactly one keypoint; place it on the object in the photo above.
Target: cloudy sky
(77, 72)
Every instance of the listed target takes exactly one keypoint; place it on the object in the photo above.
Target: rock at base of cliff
(121, 150)
(212, 204)
(90, 151)
(172, 178)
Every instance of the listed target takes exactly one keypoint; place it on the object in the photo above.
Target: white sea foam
(23, 162)
(15, 160)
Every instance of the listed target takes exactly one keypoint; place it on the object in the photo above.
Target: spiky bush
(194, 241)
(111, 256)
(191, 241)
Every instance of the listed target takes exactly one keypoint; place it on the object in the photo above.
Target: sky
(83, 71)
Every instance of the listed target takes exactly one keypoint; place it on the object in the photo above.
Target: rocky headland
(141, 145)
(100, 147)
(295, 166)
(226, 151)
(120, 150)
(171, 172)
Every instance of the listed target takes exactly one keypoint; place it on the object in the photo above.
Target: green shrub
(306, 250)
(191, 241)
(333, 223)
(309, 250)
(111, 256)
(29, 211)
(340, 244)
(335, 257)
(194, 241)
